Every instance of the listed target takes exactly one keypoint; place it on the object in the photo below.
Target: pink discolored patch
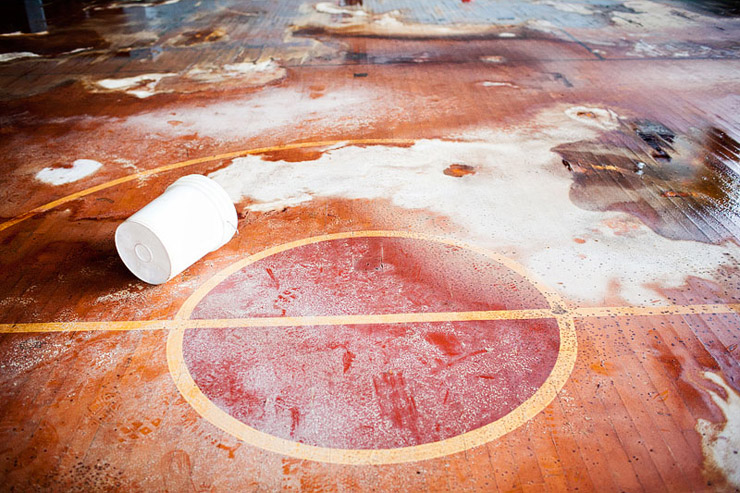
(371, 386)
(369, 276)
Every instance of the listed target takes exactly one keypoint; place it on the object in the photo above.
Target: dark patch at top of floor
(724, 8)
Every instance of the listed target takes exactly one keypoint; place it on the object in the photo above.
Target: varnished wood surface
(89, 398)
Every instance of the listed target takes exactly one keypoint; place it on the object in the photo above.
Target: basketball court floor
(482, 246)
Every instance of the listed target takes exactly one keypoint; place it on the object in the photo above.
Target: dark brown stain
(684, 378)
(656, 135)
(459, 170)
(190, 38)
(689, 191)
(293, 155)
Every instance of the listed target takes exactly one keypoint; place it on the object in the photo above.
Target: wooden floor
(482, 246)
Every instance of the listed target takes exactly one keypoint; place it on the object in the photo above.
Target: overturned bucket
(193, 217)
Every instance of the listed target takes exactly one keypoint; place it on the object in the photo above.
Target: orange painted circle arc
(539, 400)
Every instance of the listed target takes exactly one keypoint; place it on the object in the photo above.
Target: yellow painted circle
(527, 410)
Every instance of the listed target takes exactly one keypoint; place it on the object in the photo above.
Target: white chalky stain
(533, 215)
(80, 169)
(7, 57)
(267, 111)
(141, 86)
(720, 443)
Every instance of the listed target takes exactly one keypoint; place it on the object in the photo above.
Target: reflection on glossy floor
(482, 245)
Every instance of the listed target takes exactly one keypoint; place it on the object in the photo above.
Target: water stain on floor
(684, 187)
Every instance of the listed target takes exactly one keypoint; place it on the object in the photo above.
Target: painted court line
(391, 318)
(190, 162)
(558, 376)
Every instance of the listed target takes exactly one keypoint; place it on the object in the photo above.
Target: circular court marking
(513, 418)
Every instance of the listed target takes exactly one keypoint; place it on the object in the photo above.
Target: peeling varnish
(141, 86)
(720, 442)
(7, 57)
(134, 4)
(197, 78)
(331, 19)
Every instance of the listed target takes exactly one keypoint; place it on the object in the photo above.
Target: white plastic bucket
(193, 217)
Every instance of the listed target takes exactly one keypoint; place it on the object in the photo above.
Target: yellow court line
(190, 162)
(541, 398)
(390, 318)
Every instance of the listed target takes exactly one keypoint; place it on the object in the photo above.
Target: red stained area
(395, 403)
(369, 276)
(371, 386)
(386, 389)
(447, 343)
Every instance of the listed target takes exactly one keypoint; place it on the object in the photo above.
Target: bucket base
(143, 253)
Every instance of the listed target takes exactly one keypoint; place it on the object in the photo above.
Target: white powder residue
(491, 83)
(677, 50)
(349, 20)
(267, 111)
(6, 57)
(575, 8)
(141, 86)
(80, 169)
(20, 33)
(248, 68)
(330, 8)
(651, 16)
(720, 443)
(134, 3)
(643, 48)
(196, 79)
(255, 73)
(78, 50)
(129, 294)
(533, 214)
